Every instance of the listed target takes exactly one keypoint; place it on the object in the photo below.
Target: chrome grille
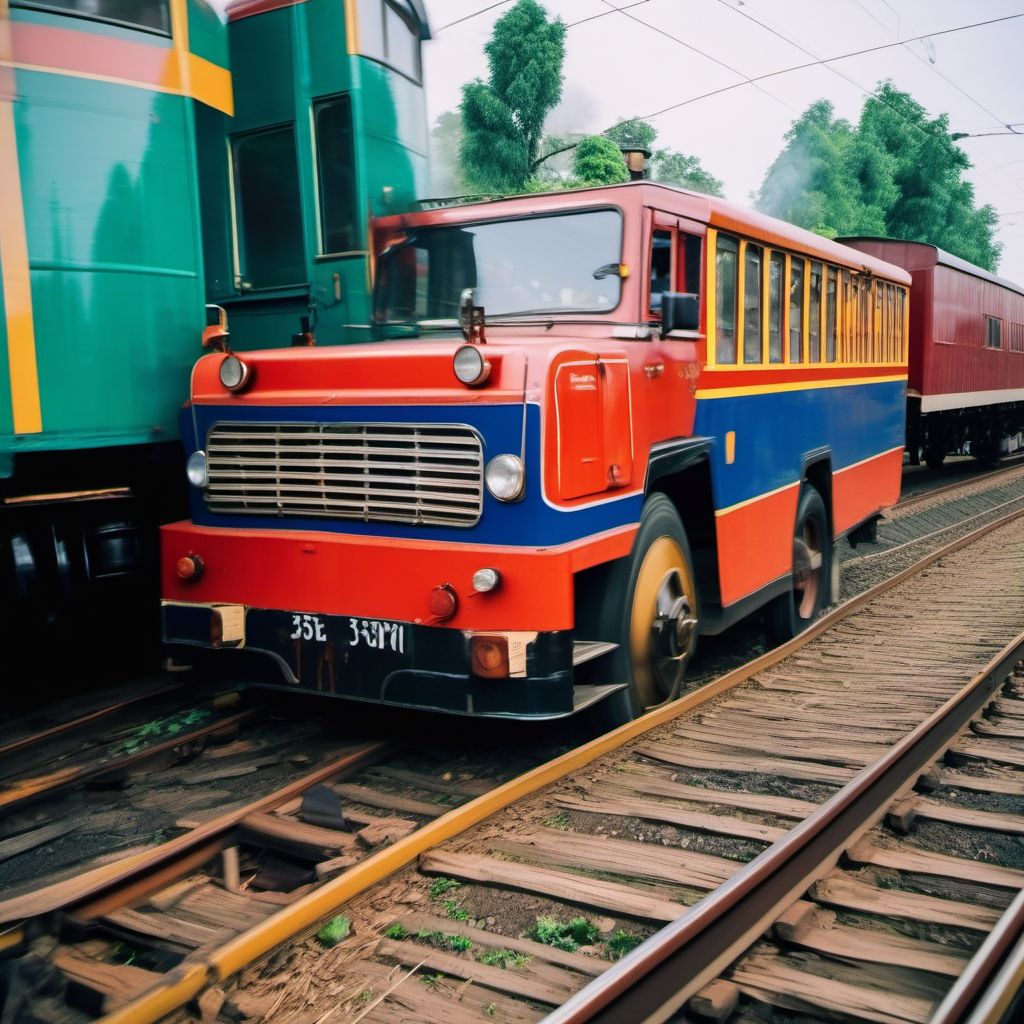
(377, 472)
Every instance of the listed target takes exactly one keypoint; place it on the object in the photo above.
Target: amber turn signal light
(443, 602)
(189, 568)
(488, 657)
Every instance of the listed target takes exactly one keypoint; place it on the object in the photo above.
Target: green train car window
(153, 15)
(336, 167)
(268, 212)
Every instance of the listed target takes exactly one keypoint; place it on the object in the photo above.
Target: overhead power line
(827, 60)
(693, 49)
(470, 17)
(928, 63)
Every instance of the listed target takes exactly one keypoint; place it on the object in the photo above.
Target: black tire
(792, 612)
(934, 457)
(650, 609)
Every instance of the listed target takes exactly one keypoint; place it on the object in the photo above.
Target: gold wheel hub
(662, 623)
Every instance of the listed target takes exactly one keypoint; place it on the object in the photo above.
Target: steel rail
(187, 981)
(98, 891)
(25, 791)
(993, 978)
(659, 976)
(91, 716)
(984, 477)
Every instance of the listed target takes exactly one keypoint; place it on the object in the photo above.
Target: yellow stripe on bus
(17, 286)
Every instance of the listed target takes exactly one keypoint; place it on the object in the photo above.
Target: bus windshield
(533, 265)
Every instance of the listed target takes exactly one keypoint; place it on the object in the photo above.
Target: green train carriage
(329, 131)
(129, 198)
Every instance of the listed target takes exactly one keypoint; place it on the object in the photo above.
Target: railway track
(915, 491)
(638, 826)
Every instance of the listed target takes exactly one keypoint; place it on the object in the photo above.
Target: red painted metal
(949, 303)
(300, 571)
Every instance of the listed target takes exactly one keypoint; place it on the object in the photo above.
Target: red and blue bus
(594, 424)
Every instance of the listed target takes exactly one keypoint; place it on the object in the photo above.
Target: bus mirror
(680, 311)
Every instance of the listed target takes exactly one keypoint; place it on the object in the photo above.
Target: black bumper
(428, 668)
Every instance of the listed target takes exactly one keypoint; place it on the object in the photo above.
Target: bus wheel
(794, 611)
(650, 611)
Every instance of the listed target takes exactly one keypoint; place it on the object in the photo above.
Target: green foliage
(895, 173)
(598, 161)
(454, 911)
(566, 935)
(559, 820)
(396, 931)
(442, 885)
(445, 144)
(503, 118)
(621, 943)
(504, 958)
(335, 930)
(633, 133)
(667, 166)
(441, 940)
(673, 168)
(432, 980)
(491, 1009)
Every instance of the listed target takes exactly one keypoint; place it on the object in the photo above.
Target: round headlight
(195, 469)
(234, 374)
(506, 477)
(470, 366)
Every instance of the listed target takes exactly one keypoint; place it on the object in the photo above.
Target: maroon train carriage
(965, 391)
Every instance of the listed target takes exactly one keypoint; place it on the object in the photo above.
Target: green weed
(621, 943)
(504, 958)
(565, 935)
(335, 930)
(442, 885)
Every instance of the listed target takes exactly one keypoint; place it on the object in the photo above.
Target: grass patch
(432, 980)
(559, 820)
(564, 935)
(454, 911)
(504, 958)
(441, 940)
(443, 885)
(396, 931)
(621, 943)
(334, 931)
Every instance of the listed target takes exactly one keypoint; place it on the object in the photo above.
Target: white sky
(616, 67)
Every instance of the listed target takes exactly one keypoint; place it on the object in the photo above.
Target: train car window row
(151, 15)
(796, 310)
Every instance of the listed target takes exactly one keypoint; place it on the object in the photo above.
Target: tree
(667, 165)
(932, 202)
(896, 173)
(445, 143)
(503, 118)
(598, 161)
(673, 168)
(633, 133)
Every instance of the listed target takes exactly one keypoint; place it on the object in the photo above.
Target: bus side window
(726, 260)
(661, 268)
(814, 316)
(751, 303)
(776, 272)
(831, 298)
(796, 310)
